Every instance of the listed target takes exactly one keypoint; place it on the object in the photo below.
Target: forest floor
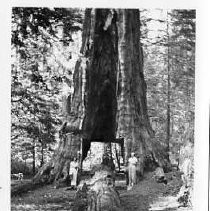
(147, 195)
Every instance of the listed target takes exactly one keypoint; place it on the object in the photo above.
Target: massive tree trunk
(101, 73)
(109, 90)
(133, 121)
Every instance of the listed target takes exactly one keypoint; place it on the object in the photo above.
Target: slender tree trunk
(25, 166)
(34, 158)
(168, 132)
(117, 154)
(42, 155)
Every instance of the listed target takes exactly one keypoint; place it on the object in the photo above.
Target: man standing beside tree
(132, 163)
(74, 172)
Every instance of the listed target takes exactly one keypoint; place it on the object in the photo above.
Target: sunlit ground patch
(168, 203)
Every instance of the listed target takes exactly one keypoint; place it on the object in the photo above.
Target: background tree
(181, 31)
(38, 75)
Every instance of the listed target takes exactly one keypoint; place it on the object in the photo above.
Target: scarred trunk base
(98, 193)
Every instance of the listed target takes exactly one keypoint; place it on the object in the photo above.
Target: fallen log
(98, 193)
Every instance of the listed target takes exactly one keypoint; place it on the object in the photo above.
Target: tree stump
(160, 175)
(98, 193)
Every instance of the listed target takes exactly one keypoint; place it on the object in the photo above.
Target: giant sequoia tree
(109, 99)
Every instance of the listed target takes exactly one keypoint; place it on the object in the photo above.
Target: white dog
(19, 176)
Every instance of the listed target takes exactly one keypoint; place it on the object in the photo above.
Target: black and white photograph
(102, 108)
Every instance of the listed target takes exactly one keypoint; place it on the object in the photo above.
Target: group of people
(132, 172)
(132, 168)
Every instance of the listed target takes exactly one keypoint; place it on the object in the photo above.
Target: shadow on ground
(147, 195)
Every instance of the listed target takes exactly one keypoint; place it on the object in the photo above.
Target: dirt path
(142, 197)
(148, 192)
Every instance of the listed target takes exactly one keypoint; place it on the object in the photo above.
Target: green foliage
(40, 55)
(18, 166)
(28, 22)
(169, 51)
